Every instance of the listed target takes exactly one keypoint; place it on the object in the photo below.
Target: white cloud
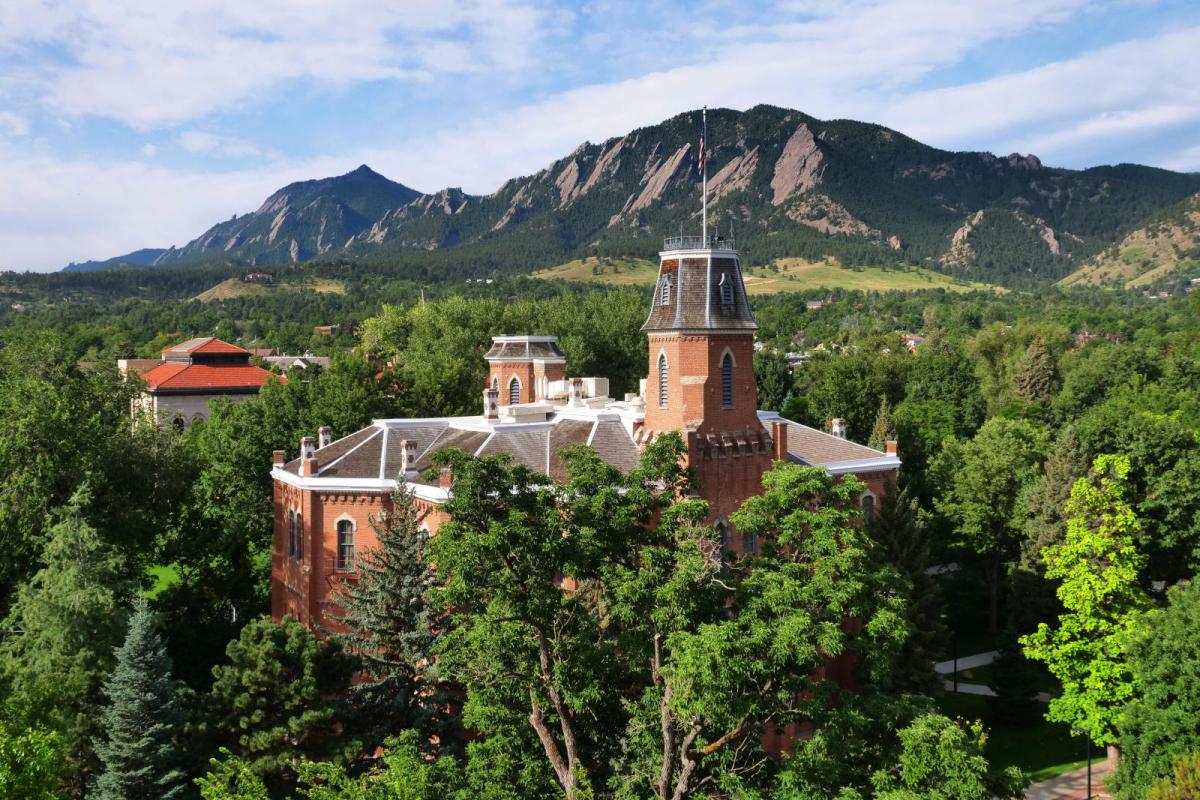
(158, 64)
(149, 150)
(13, 124)
(212, 144)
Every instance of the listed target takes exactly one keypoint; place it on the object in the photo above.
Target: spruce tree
(903, 542)
(884, 429)
(1037, 375)
(142, 720)
(387, 624)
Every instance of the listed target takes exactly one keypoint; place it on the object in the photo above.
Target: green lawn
(1043, 750)
(163, 575)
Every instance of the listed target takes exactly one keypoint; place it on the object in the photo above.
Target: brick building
(179, 387)
(700, 383)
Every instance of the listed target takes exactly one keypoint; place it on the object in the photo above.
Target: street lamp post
(1088, 734)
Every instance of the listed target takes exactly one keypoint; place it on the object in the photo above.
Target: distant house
(305, 361)
(813, 305)
(913, 342)
(327, 330)
(179, 386)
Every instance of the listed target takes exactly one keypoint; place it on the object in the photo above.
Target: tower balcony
(697, 243)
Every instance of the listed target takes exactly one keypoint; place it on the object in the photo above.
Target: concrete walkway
(966, 662)
(1071, 785)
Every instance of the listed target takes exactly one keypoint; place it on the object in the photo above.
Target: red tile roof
(203, 376)
(205, 344)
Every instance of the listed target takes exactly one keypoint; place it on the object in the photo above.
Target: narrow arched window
(726, 546)
(727, 381)
(514, 392)
(725, 288)
(496, 383)
(662, 380)
(868, 507)
(299, 536)
(665, 295)
(291, 523)
(345, 545)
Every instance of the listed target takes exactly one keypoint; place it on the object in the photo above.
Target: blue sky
(135, 124)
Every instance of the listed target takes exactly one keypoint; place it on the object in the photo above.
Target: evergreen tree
(773, 375)
(1037, 376)
(71, 618)
(884, 429)
(273, 702)
(388, 626)
(903, 540)
(1046, 497)
(142, 720)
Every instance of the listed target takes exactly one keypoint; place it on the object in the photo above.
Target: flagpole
(704, 179)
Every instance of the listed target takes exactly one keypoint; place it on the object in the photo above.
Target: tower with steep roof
(700, 380)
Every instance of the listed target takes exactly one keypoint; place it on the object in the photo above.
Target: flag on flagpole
(703, 134)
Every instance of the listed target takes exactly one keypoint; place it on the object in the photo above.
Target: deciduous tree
(1098, 567)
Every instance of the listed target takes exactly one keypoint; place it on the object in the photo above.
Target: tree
(1184, 783)
(142, 721)
(983, 479)
(1160, 723)
(1037, 374)
(773, 375)
(940, 760)
(1015, 683)
(884, 429)
(942, 371)
(1098, 567)
(386, 622)
(70, 617)
(629, 655)
(1045, 499)
(30, 761)
(274, 701)
(902, 539)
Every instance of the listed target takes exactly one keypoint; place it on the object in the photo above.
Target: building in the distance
(178, 387)
(700, 383)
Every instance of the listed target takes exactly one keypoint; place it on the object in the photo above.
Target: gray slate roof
(695, 297)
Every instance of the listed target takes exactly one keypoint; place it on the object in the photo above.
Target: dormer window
(665, 293)
(725, 290)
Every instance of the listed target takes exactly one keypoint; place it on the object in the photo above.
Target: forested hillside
(784, 183)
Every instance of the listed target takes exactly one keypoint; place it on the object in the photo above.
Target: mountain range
(784, 183)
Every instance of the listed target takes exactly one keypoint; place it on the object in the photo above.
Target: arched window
(662, 380)
(868, 507)
(665, 295)
(514, 391)
(725, 288)
(727, 381)
(726, 545)
(345, 544)
(299, 536)
(496, 383)
(291, 533)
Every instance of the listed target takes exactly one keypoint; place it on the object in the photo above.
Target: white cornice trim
(862, 465)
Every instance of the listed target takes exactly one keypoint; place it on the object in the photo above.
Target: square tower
(521, 368)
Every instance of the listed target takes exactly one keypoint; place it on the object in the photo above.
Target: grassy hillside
(1169, 243)
(796, 274)
(612, 271)
(784, 275)
(236, 287)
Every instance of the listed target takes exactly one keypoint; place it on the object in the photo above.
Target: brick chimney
(779, 431)
(837, 426)
(278, 458)
(408, 458)
(891, 448)
(491, 404)
(308, 456)
(575, 392)
(445, 478)
(324, 436)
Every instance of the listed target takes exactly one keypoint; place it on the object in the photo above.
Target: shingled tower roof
(699, 288)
